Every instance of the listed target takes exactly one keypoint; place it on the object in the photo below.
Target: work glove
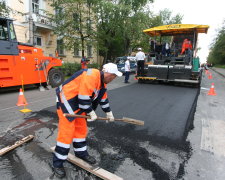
(92, 115)
(110, 116)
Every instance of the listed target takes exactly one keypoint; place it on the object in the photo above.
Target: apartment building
(41, 33)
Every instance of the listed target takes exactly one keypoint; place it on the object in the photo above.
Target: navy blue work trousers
(127, 75)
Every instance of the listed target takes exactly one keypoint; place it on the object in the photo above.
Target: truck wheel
(55, 77)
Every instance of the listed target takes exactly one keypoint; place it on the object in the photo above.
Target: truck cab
(8, 40)
(22, 64)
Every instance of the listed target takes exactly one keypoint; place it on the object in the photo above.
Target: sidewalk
(208, 136)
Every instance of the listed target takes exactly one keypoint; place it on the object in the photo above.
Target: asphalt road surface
(158, 150)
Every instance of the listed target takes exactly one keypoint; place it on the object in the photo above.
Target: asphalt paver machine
(169, 64)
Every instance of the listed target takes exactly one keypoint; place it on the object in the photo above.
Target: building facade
(32, 25)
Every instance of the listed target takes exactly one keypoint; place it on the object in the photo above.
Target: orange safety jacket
(186, 45)
(82, 92)
(84, 65)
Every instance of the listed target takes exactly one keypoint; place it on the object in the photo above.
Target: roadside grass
(219, 66)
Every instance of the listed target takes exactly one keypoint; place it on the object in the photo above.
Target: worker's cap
(139, 49)
(111, 68)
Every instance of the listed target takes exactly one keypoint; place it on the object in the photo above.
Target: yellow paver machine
(173, 50)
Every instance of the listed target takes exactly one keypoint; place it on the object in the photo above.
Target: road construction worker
(80, 94)
(84, 62)
(140, 57)
(186, 47)
(127, 70)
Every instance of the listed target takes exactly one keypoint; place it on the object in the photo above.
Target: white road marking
(213, 137)
(203, 88)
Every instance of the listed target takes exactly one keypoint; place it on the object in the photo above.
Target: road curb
(218, 72)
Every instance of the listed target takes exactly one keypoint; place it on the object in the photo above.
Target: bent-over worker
(80, 94)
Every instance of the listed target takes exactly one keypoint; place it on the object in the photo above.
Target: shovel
(124, 119)
(41, 88)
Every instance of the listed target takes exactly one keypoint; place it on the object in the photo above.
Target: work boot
(59, 172)
(89, 159)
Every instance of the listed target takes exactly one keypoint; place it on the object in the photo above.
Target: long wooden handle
(16, 144)
(127, 120)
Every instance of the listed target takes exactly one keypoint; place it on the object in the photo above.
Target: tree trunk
(82, 45)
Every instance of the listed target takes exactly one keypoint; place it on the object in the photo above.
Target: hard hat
(111, 68)
(139, 49)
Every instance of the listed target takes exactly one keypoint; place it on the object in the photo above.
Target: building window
(12, 32)
(38, 40)
(3, 31)
(35, 6)
(76, 50)
(89, 51)
(60, 48)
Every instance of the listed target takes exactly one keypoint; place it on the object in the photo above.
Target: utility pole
(31, 28)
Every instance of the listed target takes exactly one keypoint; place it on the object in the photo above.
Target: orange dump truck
(23, 63)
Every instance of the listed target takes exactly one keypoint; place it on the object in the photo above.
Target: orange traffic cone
(206, 72)
(212, 90)
(210, 76)
(21, 99)
(22, 102)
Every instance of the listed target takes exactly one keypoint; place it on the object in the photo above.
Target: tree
(4, 9)
(74, 23)
(217, 53)
(119, 26)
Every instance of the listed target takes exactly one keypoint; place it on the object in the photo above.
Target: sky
(204, 12)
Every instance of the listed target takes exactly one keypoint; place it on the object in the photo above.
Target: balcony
(41, 21)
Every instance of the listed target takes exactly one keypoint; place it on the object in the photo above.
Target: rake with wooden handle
(125, 119)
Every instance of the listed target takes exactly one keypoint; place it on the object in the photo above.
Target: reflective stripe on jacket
(82, 92)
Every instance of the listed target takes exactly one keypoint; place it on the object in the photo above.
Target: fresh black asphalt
(164, 109)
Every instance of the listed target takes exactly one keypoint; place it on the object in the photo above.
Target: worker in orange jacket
(80, 94)
(84, 63)
(187, 46)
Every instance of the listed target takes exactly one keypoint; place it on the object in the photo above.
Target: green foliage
(219, 66)
(121, 25)
(118, 24)
(4, 10)
(94, 65)
(69, 69)
(217, 53)
(74, 23)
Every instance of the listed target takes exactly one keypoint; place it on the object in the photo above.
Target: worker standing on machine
(186, 47)
(140, 57)
(80, 94)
